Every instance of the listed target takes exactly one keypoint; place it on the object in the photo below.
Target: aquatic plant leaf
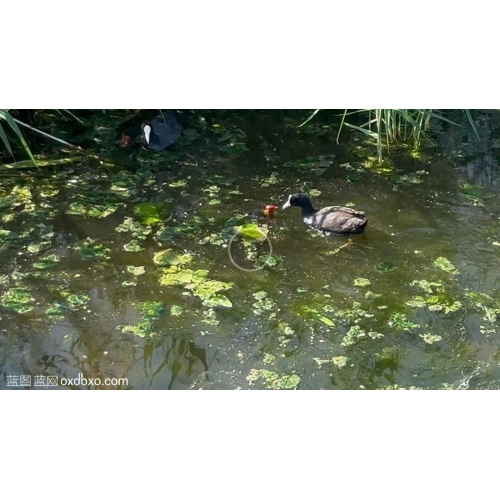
(252, 231)
(136, 271)
(445, 265)
(362, 282)
(472, 192)
(176, 310)
(385, 267)
(326, 320)
(18, 299)
(340, 361)
(132, 246)
(217, 300)
(430, 338)
(89, 249)
(151, 213)
(286, 382)
(47, 262)
(39, 247)
(76, 301)
(399, 320)
(151, 311)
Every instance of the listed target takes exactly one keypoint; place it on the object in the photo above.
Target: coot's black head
(297, 200)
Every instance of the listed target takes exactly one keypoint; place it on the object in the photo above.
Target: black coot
(153, 134)
(340, 220)
(162, 132)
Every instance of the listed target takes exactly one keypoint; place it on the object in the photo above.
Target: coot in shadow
(162, 132)
(340, 220)
(156, 134)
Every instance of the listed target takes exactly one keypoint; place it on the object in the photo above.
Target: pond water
(85, 291)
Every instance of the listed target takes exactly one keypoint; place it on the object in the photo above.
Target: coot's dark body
(162, 132)
(335, 219)
(154, 134)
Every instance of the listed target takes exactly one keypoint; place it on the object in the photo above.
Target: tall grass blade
(471, 121)
(310, 118)
(5, 115)
(46, 135)
(5, 140)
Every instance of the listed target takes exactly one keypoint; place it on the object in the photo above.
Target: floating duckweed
(340, 361)
(427, 286)
(456, 306)
(55, 311)
(136, 271)
(399, 320)
(151, 213)
(213, 239)
(93, 211)
(273, 380)
(263, 303)
(269, 358)
(18, 300)
(47, 262)
(39, 247)
(179, 183)
(151, 311)
(170, 257)
(385, 267)
(430, 338)
(326, 320)
(76, 302)
(209, 317)
(353, 335)
(416, 302)
(472, 193)
(176, 310)
(435, 307)
(136, 229)
(445, 265)
(132, 246)
(198, 284)
(362, 282)
(89, 249)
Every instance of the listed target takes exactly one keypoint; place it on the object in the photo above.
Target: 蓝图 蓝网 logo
(56, 381)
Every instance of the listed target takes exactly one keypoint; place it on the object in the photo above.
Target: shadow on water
(411, 303)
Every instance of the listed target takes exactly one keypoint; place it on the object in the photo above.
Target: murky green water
(411, 303)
